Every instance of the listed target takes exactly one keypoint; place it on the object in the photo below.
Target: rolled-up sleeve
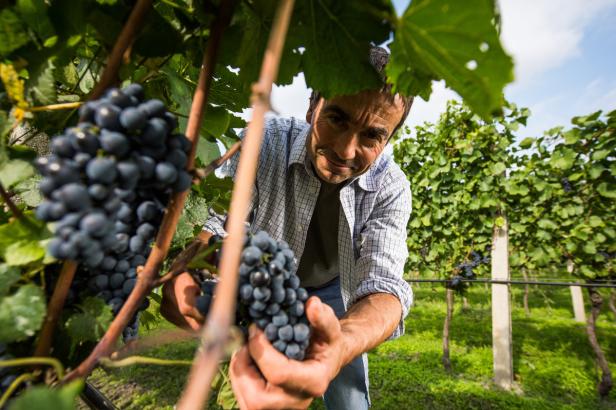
(383, 250)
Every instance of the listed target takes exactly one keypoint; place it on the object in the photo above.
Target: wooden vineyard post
(577, 298)
(501, 309)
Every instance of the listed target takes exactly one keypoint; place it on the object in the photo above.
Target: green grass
(553, 362)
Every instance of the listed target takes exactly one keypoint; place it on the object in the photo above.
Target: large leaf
(89, 324)
(8, 277)
(337, 35)
(14, 172)
(23, 252)
(12, 32)
(606, 190)
(22, 231)
(455, 41)
(157, 38)
(34, 13)
(44, 398)
(42, 85)
(244, 43)
(22, 313)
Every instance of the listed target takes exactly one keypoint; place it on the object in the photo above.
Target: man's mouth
(337, 166)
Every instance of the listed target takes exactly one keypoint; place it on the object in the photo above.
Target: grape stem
(133, 360)
(9, 202)
(29, 361)
(56, 107)
(202, 173)
(54, 309)
(216, 330)
(9, 392)
(147, 278)
(122, 44)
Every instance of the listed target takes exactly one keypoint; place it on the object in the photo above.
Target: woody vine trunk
(605, 384)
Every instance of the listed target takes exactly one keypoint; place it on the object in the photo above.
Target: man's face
(349, 132)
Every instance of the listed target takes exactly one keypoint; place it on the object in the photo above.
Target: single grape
(154, 132)
(147, 211)
(153, 108)
(280, 345)
(107, 116)
(301, 332)
(293, 351)
(116, 280)
(280, 319)
(102, 170)
(251, 256)
(114, 143)
(118, 98)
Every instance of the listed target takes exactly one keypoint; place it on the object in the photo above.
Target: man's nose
(346, 145)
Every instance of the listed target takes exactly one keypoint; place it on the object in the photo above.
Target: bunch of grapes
(566, 184)
(465, 270)
(107, 183)
(269, 295)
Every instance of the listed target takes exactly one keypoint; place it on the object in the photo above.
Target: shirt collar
(298, 147)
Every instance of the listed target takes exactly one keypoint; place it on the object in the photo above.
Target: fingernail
(252, 331)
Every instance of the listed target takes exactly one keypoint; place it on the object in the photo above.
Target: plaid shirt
(375, 208)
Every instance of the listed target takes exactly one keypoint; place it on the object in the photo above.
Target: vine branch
(147, 278)
(124, 41)
(29, 361)
(9, 202)
(218, 323)
(202, 173)
(133, 360)
(54, 309)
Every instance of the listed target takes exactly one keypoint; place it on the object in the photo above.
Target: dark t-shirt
(319, 262)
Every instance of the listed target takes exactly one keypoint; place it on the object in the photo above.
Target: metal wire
(517, 282)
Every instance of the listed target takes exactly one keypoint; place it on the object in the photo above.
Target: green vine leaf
(337, 36)
(454, 41)
(22, 313)
(12, 33)
(43, 398)
(91, 322)
(9, 275)
(15, 171)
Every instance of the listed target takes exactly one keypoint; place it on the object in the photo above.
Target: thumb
(323, 319)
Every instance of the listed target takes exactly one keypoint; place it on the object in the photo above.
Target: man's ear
(312, 107)
(309, 114)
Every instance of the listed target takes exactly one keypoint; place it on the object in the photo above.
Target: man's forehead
(373, 102)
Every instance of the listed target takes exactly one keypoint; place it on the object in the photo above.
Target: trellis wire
(518, 282)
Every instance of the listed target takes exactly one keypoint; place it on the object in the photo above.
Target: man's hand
(180, 293)
(179, 302)
(263, 378)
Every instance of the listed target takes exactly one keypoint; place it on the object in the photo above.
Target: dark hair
(379, 57)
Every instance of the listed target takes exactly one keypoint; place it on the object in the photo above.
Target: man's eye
(336, 120)
(373, 136)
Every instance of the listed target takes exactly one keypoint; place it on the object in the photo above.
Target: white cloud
(543, 34)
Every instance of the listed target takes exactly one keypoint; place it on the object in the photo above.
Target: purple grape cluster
(566, 184)
(465, 270)
(107, 183)
(269, 295)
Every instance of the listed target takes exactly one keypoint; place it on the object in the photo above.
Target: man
(324, 187)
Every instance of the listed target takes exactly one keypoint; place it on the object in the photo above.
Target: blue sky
(565, 55)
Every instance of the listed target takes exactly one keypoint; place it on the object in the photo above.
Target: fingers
(253, 392)
(322, 318)
(309, 376)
